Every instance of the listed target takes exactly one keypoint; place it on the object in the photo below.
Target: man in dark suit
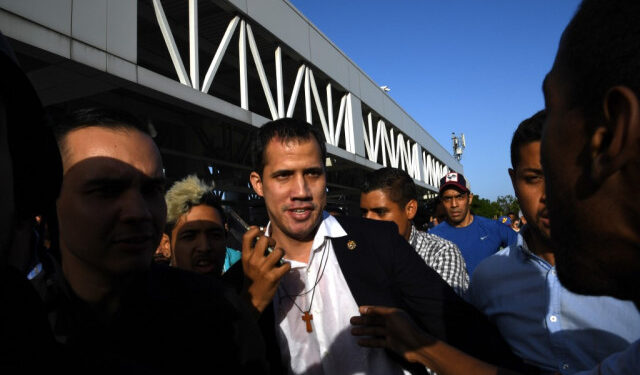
(336, 265)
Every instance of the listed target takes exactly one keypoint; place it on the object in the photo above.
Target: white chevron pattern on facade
(386, 145)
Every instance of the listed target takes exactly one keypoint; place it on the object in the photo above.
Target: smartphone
(237, 227)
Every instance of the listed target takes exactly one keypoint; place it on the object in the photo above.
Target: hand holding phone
(237, 224)
(262, 273)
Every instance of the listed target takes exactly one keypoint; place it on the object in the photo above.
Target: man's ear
(512, 175)
(411, 209)
(615, 143)
(165, 246)
(256, 183)
(470, 198)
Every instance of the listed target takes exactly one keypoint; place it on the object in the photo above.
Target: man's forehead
(128, 146)
(204, 217)
(379, 197)
(200, 224)
(530, 152)
(555, 86)
(274, 151)
(291, 142)
(203, 212)
(451, 191)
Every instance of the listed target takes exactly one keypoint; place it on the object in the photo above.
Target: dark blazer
(383, 269)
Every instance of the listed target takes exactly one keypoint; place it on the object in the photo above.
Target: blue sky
(470, 66)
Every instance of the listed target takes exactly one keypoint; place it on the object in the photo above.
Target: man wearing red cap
(476, 236)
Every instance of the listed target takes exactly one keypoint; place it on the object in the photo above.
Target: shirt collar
(329, 228)
(414, 233)
(522, 245)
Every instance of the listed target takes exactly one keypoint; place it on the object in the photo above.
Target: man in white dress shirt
(312, 304)
(337, 265)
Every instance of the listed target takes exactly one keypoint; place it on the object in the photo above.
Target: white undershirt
(330, 348)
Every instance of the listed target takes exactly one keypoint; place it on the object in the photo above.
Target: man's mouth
(134, 240)
(300, 213)
(543, 215)
(204, 265)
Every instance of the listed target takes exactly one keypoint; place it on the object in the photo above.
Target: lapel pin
(351, 245)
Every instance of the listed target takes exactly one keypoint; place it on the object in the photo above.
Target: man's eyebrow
(545, 83)
(314, 169)
(379, 209)
(281, 172)
(535, 170)
(106, 181)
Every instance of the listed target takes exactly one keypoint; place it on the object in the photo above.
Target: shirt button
(553, 318)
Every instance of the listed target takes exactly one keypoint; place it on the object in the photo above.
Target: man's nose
(300, 188)
(135, 207)
(543, 197)
(203, 244)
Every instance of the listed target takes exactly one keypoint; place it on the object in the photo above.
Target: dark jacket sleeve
(234, 277)
(433, 304)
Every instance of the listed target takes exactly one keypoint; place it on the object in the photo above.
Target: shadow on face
(110, 215)
(198, 241)
(377, 205)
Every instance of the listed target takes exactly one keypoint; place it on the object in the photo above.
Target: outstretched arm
(393, 329)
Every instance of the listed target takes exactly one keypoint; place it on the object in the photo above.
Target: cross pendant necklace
(307, 319)
(306, 316)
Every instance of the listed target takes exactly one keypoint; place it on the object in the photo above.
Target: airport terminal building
(204, 73)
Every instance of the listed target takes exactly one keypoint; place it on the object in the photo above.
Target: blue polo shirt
(478, 240)
(544, 323)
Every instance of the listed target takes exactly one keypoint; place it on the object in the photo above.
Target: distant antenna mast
(459, 144)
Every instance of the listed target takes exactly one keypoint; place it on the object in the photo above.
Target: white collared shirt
(329, 348)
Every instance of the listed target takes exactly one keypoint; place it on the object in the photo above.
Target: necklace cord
(319, 275)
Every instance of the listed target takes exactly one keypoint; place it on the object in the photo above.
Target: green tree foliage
(480, 206)
(508, 203)
(484, 207)
(503, 205)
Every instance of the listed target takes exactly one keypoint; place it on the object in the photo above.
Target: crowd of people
(120, 275)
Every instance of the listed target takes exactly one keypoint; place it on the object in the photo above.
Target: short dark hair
(396, 183)
(286, 129)
(96, 116)
(529, 130)
(600, 48)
